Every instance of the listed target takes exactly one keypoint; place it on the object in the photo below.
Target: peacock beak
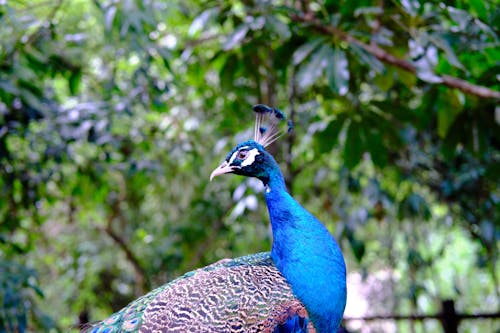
(221, 169)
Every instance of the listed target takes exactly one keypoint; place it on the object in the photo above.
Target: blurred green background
(114, 113)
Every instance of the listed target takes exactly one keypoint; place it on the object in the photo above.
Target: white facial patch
(232, 157)
(231, 160)
(250, 157)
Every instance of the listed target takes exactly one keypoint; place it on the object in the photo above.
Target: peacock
(300, 286)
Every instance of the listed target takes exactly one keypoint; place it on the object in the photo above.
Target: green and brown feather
(246, 294)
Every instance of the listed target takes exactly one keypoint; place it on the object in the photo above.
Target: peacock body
(299, 286)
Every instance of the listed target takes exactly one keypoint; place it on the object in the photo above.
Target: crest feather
(265, 134)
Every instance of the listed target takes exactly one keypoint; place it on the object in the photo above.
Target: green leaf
(166, 55)
(461, 17)
(411, 6)
(367, 58)
(358, 247)
(227, 72)
(414, 206)
(34, 102)
(441, 42)
(109, 17)
(304, 50)
(236, 37)
(335, 19)
(74, 81)
(488, 231)
(385, 81)
(278, 27)
(135, 20)
(9, 87)
(354, 145)
(36, 59)
(479, 8)
(201, 20)
(407, 78)
(310, 71)
(337, 71)
(368, 11)
(327, 139)
(376, 148)
(450, 105)
(414, 258)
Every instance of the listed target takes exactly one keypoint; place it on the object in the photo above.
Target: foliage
(113, 113)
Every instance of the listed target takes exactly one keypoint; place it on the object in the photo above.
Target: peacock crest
(267, 124)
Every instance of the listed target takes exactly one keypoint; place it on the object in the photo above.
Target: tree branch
(209, 241)
(201, 40)
(384, 56)
(142, 283)
(139, 271)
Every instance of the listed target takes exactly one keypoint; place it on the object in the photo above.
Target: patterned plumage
(246, 294)
(298, 287)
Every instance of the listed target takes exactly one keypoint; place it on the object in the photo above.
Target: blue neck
(307, 256)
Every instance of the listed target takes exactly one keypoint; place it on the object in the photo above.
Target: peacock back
(246, 294)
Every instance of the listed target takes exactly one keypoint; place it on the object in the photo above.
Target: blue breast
(308, 257)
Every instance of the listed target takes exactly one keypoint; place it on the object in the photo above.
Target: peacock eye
(242, 154)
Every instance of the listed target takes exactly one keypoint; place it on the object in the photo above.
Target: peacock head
(250, 158)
